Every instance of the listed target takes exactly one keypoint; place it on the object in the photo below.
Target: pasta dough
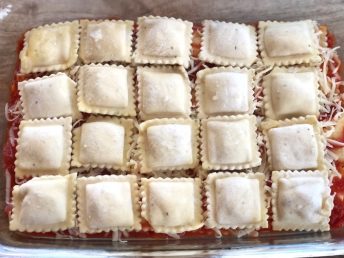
(285, 86)
(106, 89)
(228, 43)
(224, 91)
(229, 143)
(168, 144)
(51, 96)
(50, 47)
(287, 43)
(44, 204)
(108, 202)
(106, 40)
(102, 142)
(164, 92)
(301, 200)
(236, 200)
(293, 147)
(229, 210)
(43, 147)
(172, 205)
(163, 40)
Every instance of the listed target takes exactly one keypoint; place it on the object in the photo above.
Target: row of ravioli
(166, 91)
(45, 146)
(301, 200)
(162, 40)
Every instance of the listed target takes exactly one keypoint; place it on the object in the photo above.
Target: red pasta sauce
(9, 150)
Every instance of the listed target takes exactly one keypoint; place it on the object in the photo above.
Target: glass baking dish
(16, 17)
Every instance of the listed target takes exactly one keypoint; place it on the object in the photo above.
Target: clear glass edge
(302, 244)
(298, 250)
(295, 244)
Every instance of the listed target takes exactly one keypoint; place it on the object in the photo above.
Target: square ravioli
(44, 204)
(106, 89)
(103, 142)
(106, 40)
(299, 86)
(294, 144)
(50, 47)
(172, 205)
(236, 200)
(44, 147)
(216, 86)
(108, 203)
(229, 143)
(289, 43)
(168, 144)
(163, 92)
(301, 200)
(48, 97)
(227, 43)
(162, 40)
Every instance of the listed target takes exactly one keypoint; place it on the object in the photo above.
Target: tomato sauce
(337, 216)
